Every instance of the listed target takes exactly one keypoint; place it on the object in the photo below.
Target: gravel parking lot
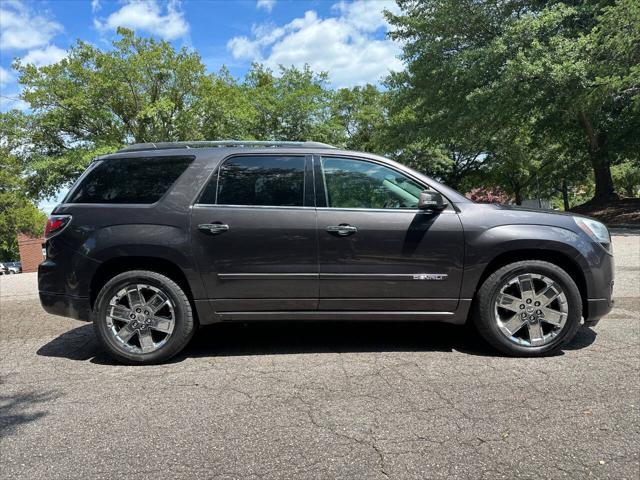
(320, 400)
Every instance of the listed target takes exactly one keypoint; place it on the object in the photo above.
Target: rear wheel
(143, 317)
(528, 308)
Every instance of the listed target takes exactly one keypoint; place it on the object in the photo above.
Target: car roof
(217, 149)
(222, 143)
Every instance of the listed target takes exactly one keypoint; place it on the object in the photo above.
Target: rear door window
(258, 180)
(141, 180)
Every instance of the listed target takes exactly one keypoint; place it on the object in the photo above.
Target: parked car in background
(157, 239)
(14, 267)
(10, 268)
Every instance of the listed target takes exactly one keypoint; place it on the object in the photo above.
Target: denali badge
(430, 276)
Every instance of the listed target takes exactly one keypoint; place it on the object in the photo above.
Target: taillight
(55, 224)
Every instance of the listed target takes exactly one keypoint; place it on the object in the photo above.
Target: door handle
(213, 228)
(343, 229)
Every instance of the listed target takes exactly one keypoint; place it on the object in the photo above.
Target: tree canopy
(17, 211)
(142, 90)
(563, 73)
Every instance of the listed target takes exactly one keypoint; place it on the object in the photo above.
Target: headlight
(596, 230)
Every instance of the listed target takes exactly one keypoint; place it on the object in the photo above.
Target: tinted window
(272, 181)
(359, 184)
(129, 180)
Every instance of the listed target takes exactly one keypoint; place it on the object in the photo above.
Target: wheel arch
(109, 269)
(560, 259)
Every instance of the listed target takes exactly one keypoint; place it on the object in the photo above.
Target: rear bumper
(63, 281)
(66, 305)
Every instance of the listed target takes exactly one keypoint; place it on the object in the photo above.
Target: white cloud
(266, 4)
(21, 28)
(5, 77)
(366, 16)
(44, 56)
(243, 47)
(95, 5)
(148, 16)
(350, 46)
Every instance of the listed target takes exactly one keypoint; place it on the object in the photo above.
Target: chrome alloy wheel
(531, 309)
(141, 318)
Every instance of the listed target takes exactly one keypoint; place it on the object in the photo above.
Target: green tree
(17, 211)
(225, 107)
(93, 100)
(142, 90)
(626, 176)
(478, 68)
(360, 114)
(426, 144)
(292, 105)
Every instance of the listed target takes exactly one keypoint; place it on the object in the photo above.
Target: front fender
(483, 246)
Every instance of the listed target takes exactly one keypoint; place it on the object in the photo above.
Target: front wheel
(143, 317)
(528, 308)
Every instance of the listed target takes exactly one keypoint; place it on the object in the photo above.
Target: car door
(254, 234)
(377, 251)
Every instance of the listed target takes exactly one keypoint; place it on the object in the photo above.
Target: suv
(157, 239)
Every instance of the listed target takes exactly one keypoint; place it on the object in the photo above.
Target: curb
(625, 227)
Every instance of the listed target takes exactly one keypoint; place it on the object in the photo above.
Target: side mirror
(430, 200)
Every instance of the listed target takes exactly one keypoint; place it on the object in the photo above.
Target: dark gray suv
(157, 239)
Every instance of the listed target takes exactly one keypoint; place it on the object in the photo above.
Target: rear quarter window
(129, 180)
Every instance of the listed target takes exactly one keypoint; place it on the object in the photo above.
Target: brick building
(30, 252)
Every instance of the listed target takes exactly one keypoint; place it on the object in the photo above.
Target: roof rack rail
(136, 147)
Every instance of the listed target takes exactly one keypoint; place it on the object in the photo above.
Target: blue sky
(346, 38)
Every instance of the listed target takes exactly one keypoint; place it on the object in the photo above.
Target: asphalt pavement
(320, 400)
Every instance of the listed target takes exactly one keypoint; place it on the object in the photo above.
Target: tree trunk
(602, 174)
(599, 159)
(518, 194)
(565, 195)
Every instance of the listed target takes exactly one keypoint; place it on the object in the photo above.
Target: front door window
(353, 183)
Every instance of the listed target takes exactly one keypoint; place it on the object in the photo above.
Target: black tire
(183, 331)
(485, 317)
